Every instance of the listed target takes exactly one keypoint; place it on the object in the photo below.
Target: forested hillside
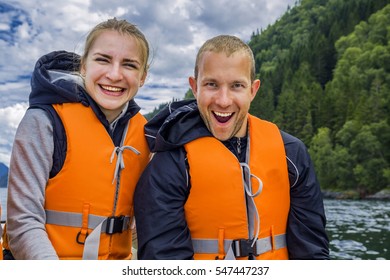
(325, 73)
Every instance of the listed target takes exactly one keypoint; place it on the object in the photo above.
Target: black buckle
(243, 248)
(78, 238)
(115, 224)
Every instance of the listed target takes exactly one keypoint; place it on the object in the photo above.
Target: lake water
(357, 230)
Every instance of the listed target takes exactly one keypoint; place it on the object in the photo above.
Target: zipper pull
(238, 145)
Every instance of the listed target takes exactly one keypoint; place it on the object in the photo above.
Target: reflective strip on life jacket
(263, 245)
(75, 220)
(99, 224)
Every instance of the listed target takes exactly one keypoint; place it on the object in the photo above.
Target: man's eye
(238, 85)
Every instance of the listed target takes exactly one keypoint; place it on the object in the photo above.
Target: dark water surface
(358, 230)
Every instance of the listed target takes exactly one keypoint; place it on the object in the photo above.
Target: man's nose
(224, 97)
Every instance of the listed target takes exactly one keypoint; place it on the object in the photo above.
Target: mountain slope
(3, 175)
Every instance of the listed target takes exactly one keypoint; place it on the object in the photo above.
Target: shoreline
(383, 195)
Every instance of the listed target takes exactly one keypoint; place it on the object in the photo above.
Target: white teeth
(223, 114)
(117, 89)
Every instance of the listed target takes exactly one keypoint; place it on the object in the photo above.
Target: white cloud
(174, 28)
(4, 27)
(10, 118)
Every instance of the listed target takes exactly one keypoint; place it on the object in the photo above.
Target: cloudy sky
(174, 28)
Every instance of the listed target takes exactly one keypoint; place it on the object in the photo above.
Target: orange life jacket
(216, 210)
(89, 203)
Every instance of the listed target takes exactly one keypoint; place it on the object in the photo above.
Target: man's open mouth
(222, 117)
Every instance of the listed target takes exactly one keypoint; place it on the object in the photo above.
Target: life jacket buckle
(78, 238)
(243, 248)
(115, 224)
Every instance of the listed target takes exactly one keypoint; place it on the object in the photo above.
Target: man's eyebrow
(207, 79)
(239, 82)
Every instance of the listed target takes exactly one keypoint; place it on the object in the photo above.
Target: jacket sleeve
(159, 201)
(31, 162)
(306, 235)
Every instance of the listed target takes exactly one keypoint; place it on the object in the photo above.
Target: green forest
(324, 68)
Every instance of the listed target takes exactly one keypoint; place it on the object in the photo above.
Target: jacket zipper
(239, 146)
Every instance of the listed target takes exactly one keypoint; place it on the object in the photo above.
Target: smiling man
(224, 184)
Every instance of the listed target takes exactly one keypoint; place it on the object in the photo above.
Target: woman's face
(113, 71)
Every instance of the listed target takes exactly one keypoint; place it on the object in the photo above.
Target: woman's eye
(101, 59)
(131, 65)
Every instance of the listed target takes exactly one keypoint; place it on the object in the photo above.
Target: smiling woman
(70, 189)
(113, 71)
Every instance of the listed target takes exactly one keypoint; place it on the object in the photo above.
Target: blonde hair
(124, 28)
(228, 44)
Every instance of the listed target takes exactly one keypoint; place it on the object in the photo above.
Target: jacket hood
(54, 80)
(177, 124)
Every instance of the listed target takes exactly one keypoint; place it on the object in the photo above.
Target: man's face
(224, 92)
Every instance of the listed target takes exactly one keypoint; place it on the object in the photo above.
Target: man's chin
(221, 136)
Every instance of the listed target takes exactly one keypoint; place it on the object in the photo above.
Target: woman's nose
(114, 73)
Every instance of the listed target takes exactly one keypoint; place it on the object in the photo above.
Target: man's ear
(254, 88)
(193, 85)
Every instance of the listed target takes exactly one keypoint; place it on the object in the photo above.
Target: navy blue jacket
(165, 185)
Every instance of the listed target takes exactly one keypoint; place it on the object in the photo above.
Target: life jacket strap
(111, 225)
(98, 224)
(240, 247)
(118, 151)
